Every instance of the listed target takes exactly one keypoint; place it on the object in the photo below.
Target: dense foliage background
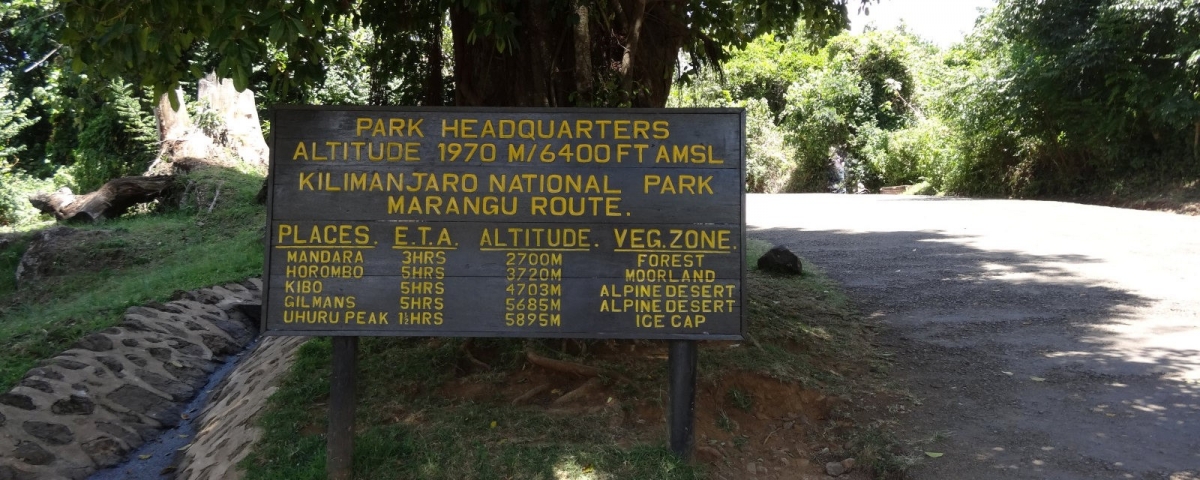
(1051, 97)
(1044, 97)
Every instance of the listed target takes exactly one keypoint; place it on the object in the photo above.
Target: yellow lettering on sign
(422, 288)
(575, 207)
(678, 184)
(687, 321)
(375, 151)
(324, 271)
(419, 318)
(699, 239)
(301, 153)
(661, 129)
(583, 128)
(552, 183)
(649, 321)
(432, 273)
(671, 260)
(394, 127)
(621, 129)
(333, 234)
(529, 237)
(319, 301)
(695, 154)
(640, 127)
(325, 255)
(421, 303)
(362, 124)
(634, 238)
(452, 205)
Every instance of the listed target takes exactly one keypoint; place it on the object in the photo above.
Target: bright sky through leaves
(941, 21)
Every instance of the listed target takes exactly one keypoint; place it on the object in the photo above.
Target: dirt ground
(777, 431)
(1036, 339)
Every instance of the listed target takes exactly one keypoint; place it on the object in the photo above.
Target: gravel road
(1043, 340)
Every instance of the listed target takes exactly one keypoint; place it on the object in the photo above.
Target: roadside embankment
(118, 388)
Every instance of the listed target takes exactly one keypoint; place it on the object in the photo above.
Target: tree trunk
(433, 80)
(172, 123)
(543, 64)
(238, 115)
(230, 126)
(110, 201)
(631, 46)
(583, 56)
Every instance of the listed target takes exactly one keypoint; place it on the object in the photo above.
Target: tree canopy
(505, 52)
(1054, 96)
(1044, 97)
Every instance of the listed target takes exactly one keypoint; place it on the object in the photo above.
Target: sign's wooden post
(339, 442)
(506, 222)
(681, 388)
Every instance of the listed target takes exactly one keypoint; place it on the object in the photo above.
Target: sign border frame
(270, 203)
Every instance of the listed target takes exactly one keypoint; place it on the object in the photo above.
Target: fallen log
(110, 201)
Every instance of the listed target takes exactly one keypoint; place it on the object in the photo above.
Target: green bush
(767, 66)
(118, 137)
(818, 119)
(15, 186)
(1066, 97)
(868, 150)
(769, 160)
(703, 89)
(15, 189)
(12, 121)
(841, 112)
(922, 152)
(921, 188)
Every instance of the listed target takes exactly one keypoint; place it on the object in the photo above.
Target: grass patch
(740, 399)
(143, 257)
(426, 410)
(10, 256)
(409, 431)
(797, 325)
(1163, 194)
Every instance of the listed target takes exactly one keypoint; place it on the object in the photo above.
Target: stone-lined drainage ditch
(93, 406)
(157, 458)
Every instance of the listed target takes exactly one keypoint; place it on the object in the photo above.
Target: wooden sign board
(506, 223)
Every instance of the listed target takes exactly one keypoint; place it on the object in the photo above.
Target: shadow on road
(1023, 366)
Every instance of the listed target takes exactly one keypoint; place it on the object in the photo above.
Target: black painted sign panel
(506, 222)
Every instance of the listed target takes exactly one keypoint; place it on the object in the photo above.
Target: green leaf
(144, 37)
(933, 454)
(300, 27)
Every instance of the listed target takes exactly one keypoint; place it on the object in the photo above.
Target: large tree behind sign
(534, 53)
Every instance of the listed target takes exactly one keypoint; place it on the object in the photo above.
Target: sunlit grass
(156, 255)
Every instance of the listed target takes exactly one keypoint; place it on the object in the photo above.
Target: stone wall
(226, 427)
(89, 406)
